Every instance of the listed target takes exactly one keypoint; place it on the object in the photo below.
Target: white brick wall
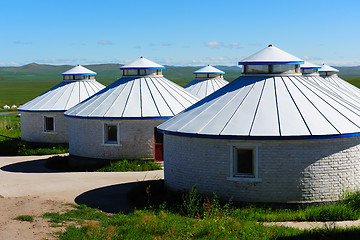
(136, 139)
(294, 170)
(32, 127)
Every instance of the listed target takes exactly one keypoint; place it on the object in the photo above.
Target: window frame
(234, 176)
(45, 125)
(105, 134)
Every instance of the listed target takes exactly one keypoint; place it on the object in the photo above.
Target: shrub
(25, 218)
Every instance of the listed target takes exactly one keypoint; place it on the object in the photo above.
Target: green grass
(61, 163)
(25, 218)
(199, 217)
(130, 166)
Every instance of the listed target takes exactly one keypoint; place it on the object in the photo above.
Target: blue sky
(183, 32)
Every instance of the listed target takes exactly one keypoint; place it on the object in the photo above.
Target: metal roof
(276, 106)
(271, 55)
(142, 63)
(204, 87)
(327, 68)
(269, 106)
(348, 87)
(63, 96)
(209, 70)
(79, 70)
(309, 65)
(135, 98)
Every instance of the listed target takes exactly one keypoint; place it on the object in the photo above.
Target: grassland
(192, 216)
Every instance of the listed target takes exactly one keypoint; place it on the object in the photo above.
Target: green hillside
(21, 84)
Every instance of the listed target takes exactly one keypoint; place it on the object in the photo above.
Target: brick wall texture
(290, 171)
(136, 138)
(32, 127)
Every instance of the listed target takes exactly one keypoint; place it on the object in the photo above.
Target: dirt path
(28, 188)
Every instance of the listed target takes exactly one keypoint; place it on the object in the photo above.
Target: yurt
(13, 106)
(6, 107)
(42, 119)
(118, 122)
(268, 136)
(331, 74)
(207, 80)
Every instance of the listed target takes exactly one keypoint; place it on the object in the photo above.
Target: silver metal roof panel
(268, 107)
(135, 97)
(204, 87)
(63, 96)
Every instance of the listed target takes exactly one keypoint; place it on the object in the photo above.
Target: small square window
(110, 134)
(243, 162)
(49, 124)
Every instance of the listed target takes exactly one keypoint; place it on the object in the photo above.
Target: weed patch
(25, 218)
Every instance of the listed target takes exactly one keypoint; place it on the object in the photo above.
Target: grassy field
(192, 216)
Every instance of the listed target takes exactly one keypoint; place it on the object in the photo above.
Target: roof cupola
(142, 67)
(271, 61)
(209, 72)
(78, 73)
(326, 70)
(309, 69)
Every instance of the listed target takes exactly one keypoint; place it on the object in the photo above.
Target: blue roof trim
(79, 74)
(20, 110)
(270, 63)
(230, 137)
(329, 71)
(118, 118)
(310, 67)
(208, 72)
(123, 68)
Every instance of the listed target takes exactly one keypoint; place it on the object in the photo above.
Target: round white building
(42, 119)
(118, 122)
(268, 136)
(207, 80)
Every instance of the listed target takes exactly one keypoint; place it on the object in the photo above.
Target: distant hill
(108, 73)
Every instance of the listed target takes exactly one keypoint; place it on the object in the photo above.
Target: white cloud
(104, 42)
(214, 44)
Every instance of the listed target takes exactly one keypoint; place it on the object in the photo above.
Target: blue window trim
(142, 68)
(229, 137)
(329, 71)
(270, 63)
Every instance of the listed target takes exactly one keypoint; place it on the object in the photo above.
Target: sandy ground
(28, 188)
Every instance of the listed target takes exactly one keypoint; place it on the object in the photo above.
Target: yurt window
(49, 124)
(111, 134)
(243, 165)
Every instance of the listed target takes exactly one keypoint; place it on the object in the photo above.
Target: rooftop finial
(270, 45)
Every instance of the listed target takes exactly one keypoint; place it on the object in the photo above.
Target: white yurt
(13, 106)
(331, 74)
(42, 119)
(6, 107)
(207, 80)
(118, 122)
(268, 136)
